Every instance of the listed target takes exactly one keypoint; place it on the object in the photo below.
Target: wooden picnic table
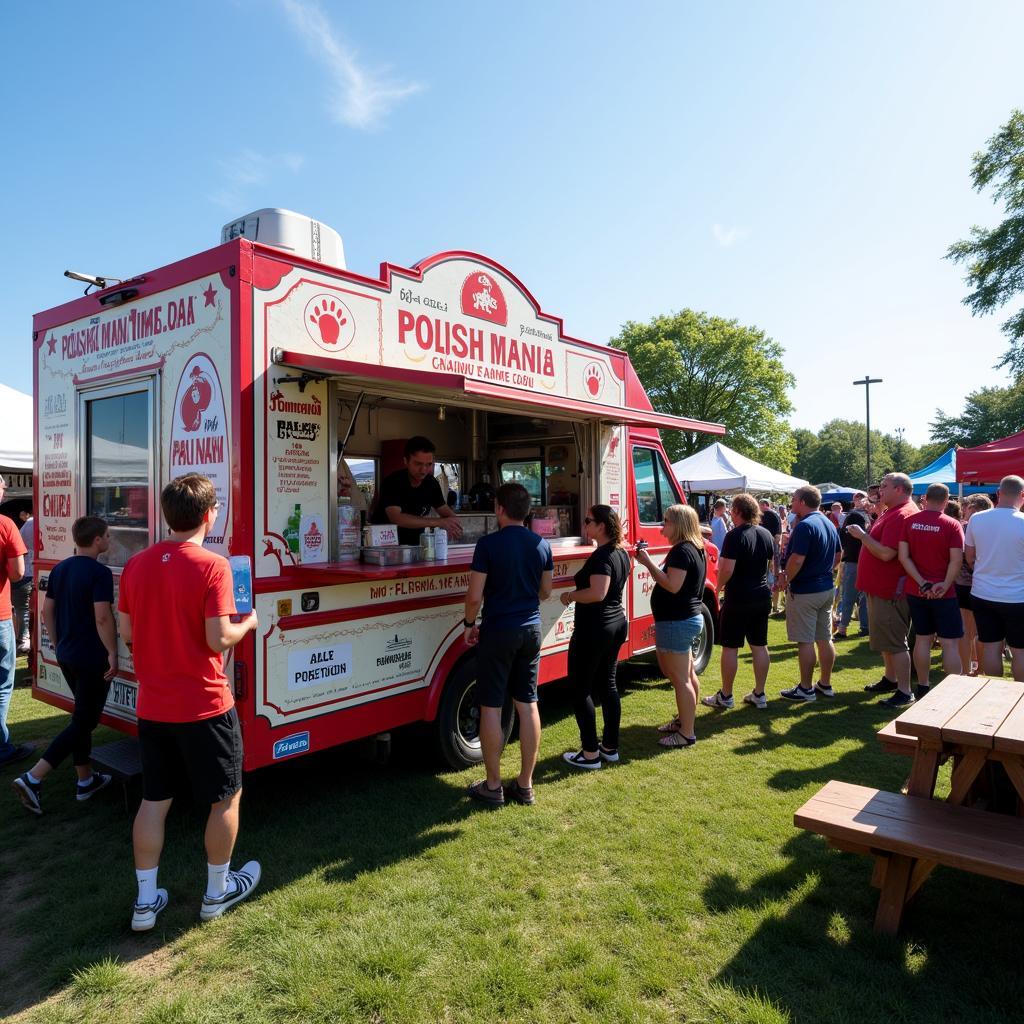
(975, 720)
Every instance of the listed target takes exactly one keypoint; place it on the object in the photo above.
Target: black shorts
(744, 620)
(963, 596)
(207, 753)
(938, 616)
(998, 621)
(507, 663)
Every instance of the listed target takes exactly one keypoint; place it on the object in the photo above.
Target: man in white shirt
(994, 547)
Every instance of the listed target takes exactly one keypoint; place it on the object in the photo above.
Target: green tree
(988, 414)
(836, 454)
(708, 368)
(995, 256)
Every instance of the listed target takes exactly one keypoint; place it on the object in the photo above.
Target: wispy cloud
(726, 237)
(360, 97)
(247, 169)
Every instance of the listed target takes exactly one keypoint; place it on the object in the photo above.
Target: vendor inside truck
(408, 496)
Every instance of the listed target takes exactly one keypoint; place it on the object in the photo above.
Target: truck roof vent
(290, 231)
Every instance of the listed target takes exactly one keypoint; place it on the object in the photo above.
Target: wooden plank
(1016, 772)
(926, 717)
(894, 895)
(959, 837)
(977, 721)
(1010, 735)
(893, 742)
(924, 769)
(965, 773)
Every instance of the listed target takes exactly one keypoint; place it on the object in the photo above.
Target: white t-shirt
(997, 535)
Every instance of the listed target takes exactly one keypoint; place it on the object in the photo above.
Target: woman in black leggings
(599, 631)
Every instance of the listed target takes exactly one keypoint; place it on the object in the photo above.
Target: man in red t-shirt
(880, 576)
(932, 551)
(176, 616)
(12, 568)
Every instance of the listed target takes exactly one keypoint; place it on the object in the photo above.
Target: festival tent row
(718, 468)
(942, 471)
(16, 442)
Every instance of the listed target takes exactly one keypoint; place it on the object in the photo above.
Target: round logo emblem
(329, 322)
(593, 379)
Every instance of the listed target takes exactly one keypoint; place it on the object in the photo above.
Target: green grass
(671, 887)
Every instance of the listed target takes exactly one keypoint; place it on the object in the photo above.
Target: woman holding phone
(678, 621)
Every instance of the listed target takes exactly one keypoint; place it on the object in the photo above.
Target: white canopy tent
(719, 468)
(16, 441)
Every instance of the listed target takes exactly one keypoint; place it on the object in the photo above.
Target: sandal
(677, 739)
(519, 794)
(484, 794)
(672, 726)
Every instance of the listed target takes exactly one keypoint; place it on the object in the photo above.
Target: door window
(655, 489)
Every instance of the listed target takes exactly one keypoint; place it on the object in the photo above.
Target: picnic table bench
(976, 721)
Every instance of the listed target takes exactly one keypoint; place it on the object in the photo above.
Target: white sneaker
(798, 693)
(759, 700)
(144, 915)
(718, 700)
(824, 691)
(240, 884)
(578, 760)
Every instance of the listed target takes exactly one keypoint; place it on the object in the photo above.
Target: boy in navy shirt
(511, 575)
(79, 617)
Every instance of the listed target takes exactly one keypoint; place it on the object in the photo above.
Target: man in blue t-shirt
(807, 574)
(510, 576)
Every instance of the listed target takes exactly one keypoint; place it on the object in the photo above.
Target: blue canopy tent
(835, 492)
(942, 471)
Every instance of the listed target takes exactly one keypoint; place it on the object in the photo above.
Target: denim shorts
(677, 635)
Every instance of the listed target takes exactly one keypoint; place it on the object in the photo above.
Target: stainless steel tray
(392, 554)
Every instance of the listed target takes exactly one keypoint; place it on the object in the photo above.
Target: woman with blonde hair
(678, 621)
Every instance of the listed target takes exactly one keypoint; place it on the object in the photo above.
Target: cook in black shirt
(408, 495)
(599, 632)
(743, 570)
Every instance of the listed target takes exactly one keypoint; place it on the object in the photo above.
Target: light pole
(867, 382)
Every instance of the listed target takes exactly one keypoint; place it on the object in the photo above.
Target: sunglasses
(588, 521)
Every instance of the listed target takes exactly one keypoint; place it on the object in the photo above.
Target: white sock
(31, 778)
(217, 880)
(82, 783)
(147, 885)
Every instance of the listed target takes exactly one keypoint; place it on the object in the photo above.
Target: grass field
(671, 887)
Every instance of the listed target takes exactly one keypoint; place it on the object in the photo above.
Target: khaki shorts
(809, 616)
(889, 624)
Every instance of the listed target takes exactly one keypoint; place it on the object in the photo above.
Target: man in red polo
(880, 575)
(176, 609)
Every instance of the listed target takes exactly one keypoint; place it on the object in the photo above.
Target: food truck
(293, 383)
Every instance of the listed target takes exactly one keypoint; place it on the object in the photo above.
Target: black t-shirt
(396, 489)
(75, 585)
(771, 522)
(753, 549)
(852, 546)
(666, 607)
(610, 561)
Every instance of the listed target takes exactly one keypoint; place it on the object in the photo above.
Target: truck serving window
(118, 468)
(654, 488)
(528, 472)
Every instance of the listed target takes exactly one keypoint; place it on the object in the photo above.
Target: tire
(704, 643)
(458, 718)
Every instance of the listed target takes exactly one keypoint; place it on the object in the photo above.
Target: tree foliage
(995, 256)
(708, 368)
(837, 454)
(988, 414)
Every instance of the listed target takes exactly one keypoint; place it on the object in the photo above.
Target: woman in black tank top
(599, 632)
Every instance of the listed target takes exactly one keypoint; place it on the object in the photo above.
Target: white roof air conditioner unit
(290, 231)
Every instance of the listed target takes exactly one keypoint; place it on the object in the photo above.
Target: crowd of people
(899, 564)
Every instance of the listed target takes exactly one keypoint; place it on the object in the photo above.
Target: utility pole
(867, 382)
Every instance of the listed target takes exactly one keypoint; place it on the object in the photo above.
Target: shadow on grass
(956, 959)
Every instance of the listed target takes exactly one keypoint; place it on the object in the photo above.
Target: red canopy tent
(989, 463)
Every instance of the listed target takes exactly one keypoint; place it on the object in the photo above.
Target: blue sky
(798, 166)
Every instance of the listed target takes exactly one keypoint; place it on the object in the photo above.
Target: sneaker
(920, 691)
(718, 700)
(28, 792)
(759, 700)
(517, 794)
(240, 884)
(611, 756)
(18, 753)
(798, 693)
(882, 686)
(837, 635)
(96, 783)
(898, 700)
(580, 760)
(144, 914)
(824, 691)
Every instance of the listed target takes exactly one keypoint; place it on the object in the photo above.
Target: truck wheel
(458, 718)
(703, 644)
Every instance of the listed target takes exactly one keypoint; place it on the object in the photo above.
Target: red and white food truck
(293, 383)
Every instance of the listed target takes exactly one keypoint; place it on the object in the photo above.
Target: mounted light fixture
(441, 414)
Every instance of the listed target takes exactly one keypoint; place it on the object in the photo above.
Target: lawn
(670, 887)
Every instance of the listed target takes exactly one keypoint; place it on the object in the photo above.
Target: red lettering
(405, 322)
